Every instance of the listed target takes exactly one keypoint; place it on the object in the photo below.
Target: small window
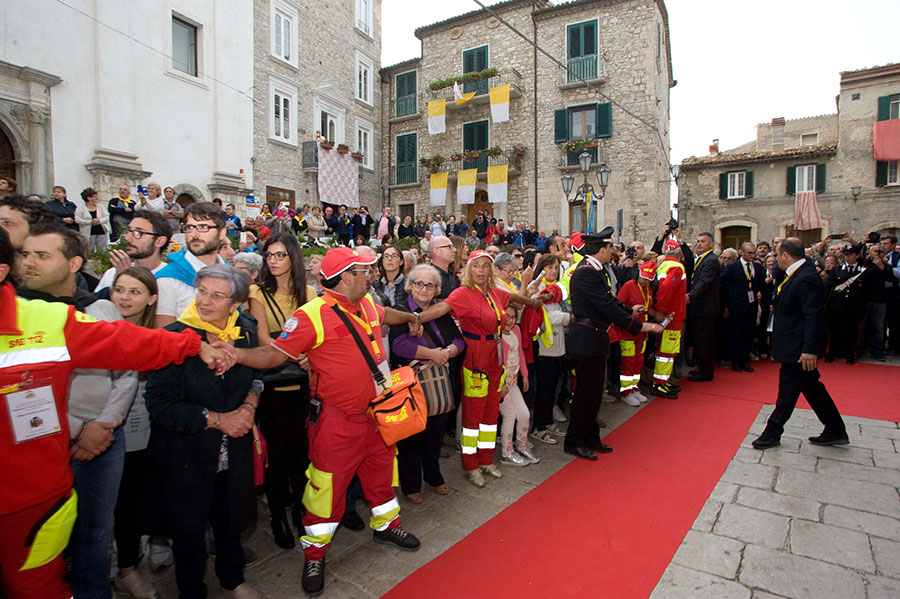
(364, 70)
(282, 122)
(736, 185)
(895, 106)
(284, 32)
(809, 139)
(364, 16)
(806, 178)
(184, 46)
(364, 143)
(893, 173)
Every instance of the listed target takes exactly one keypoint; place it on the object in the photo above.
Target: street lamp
(581, 194)
(856, 190)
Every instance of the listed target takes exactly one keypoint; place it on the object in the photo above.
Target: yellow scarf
(191, 317)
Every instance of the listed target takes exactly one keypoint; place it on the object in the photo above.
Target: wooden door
(7, 157)
(481, 204)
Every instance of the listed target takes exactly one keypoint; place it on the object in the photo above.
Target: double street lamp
(581, 194)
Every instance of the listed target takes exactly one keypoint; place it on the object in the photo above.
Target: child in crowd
(514, 452)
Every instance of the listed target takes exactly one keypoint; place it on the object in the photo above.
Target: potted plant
(327, 144)
(343, 148)
(471, 154)
(494, 152)
(518, 150)
(358, 155)
(456, 157)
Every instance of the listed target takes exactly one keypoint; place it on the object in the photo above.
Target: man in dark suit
(362, 224)
(892, 260)
(703, 308)
(594, 309)
(796, 334)
(742, 282)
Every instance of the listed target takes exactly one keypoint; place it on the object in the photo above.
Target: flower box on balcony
(357, 155)
(327, 145)
(343, 149)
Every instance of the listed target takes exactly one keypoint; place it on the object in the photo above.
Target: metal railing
(404, 174)
(586, 67)
(404, 106)
(481, 87)
(481, 163)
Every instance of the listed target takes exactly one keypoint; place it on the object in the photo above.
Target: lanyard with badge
(748, 273)
(31, 408)
(693, 272)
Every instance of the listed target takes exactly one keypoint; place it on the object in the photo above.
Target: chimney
(714, 148)
(778, 134)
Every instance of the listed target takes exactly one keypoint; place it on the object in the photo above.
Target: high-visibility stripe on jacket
(671, 295)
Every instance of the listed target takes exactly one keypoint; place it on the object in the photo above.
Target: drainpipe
(535, 113)
(389, 139)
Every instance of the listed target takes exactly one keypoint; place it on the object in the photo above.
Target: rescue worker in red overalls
(670, 299)
(480, 307)
(343, 437)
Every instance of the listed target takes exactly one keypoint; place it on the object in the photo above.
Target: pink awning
(887, 140)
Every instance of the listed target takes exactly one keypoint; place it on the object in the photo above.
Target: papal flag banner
(497, 176)
(439, 189)
(437, 116)
(461, 98)
(465, 186)
(500, 103)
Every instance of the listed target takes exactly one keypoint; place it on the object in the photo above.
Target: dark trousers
(740, 336)
(548, 372)
(614, 367)
(892, 319)
(189, 544)
(131, 508)
(792, 381)
(763, 336)
(418, 455)
(703, 335)
(282, 420)
(590, 374)
(843, 330)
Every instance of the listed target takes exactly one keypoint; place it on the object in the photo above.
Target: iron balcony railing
(481, 87)
(404, 106)
(586, 67)
(403, 174)
(481, 163)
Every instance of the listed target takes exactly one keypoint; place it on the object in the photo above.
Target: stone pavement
(798, 520)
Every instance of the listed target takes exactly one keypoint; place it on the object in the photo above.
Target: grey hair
(504, 259)
(253, 260)
(237, 280)
(408, 256)
(417, 271)
(731, 252)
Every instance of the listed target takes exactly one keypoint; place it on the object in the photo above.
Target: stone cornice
(863, 75)
(473, 16)
(695, 164)
(29, 74)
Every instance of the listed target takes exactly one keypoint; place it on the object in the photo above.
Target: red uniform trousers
(482, 379)
(632, 360)
(342, 445)
(668, 347)
(44, 582)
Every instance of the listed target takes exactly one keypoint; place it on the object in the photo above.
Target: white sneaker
(529, 455)
(514, 459)
(558, 414)
(640, 397)
(631, 400)
(556, 429)
(544, 436)
(160, 554)
(135, 586)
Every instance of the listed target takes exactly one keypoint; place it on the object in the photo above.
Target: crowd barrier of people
(154, 448)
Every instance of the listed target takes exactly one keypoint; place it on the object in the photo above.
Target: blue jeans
(97, 485)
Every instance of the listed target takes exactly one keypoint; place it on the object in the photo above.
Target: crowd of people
(511, 330)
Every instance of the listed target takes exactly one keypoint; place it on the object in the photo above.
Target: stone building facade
(315, 70)
(621, 47)
(749, 193)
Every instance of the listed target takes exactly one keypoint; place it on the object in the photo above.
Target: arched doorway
(733, 237)
(185, 199)
(7, 156)
(481, 205)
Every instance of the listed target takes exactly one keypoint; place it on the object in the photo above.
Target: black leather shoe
(397, 536)
(736, 368)
(699, 378)
(748, 368)
(851, 360)
(313, 580)
(663, 391)
(352, 521)
(581, 452)
(284, 538)
(674, 387)
(694, 371)
(830, 439)
(764, 442)
(600, 447)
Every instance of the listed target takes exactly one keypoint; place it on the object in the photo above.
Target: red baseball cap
(479, 254)
(671, 244)
(576, 241)
(648, 270)
(339, 259)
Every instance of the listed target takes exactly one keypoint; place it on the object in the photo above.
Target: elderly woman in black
(199, 441)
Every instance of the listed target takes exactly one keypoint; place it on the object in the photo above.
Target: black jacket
(735, 286)
(798, 316)
(362, 229)
(850, 300)
(704, 288)
(591, 298)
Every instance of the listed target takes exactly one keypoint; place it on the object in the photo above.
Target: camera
(874, 237)
(629, 253)
(672, 224)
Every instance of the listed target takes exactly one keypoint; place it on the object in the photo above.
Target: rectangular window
(276, 195)
(364, 16)
(893, 176)
(581, 42)
(806, 178)
(283, 102)
(364, 70)
(895, 107)
(406, 159)
(406, 94)
(736, 185)
(809, 139)
(284, 32)
(475, 137)
(364, 142)
(475, 60)
(184, 46)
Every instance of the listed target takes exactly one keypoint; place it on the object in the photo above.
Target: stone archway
(13, 155)
(186, 194)
(724, 226)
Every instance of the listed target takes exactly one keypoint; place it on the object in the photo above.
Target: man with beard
(146, 238)
(204, 232)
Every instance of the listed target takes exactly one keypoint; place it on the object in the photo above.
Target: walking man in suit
(743, 282)
(594, 310)
(703, 308)
(797, 327)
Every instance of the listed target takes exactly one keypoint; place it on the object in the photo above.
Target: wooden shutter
(574, 50)
(468, 137)
(881, 174)
(723, 186)
(406, 84)
(582, 39)
(406, 149)
(791, 180)
(884, 108)
(475, 59)
(604, 119)
(748, 184)
(481, 135)
(561, 126)
(820, 177)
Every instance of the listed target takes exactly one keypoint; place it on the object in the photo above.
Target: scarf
(191, 318)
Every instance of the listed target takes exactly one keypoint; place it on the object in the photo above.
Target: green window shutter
(884, 108)
(723, 186)
(475, 59)
(574, 50)
(604, 119)
(561, 126)
(582, 39)
(748, 184)
(881, 173)
(475, 136)
(406, 149)
(791, 180)
(820, 177)
(406, 84)
(401, 149)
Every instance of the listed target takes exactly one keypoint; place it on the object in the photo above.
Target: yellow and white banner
(437, 116)
(500, 103)
(439, 189)
(497, 176)
(465, 186)
(461, 98)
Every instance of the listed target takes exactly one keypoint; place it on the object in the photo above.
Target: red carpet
(610, 528)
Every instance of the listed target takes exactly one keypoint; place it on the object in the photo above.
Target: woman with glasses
(391, 281)
(506, 269)
(417, 456)
(284, 404)
(200, 445)
(479, 306)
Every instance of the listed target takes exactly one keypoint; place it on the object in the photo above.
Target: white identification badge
(771, 326)
(385, 369)
(32, 412)
(137, 425)
(750, 297)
